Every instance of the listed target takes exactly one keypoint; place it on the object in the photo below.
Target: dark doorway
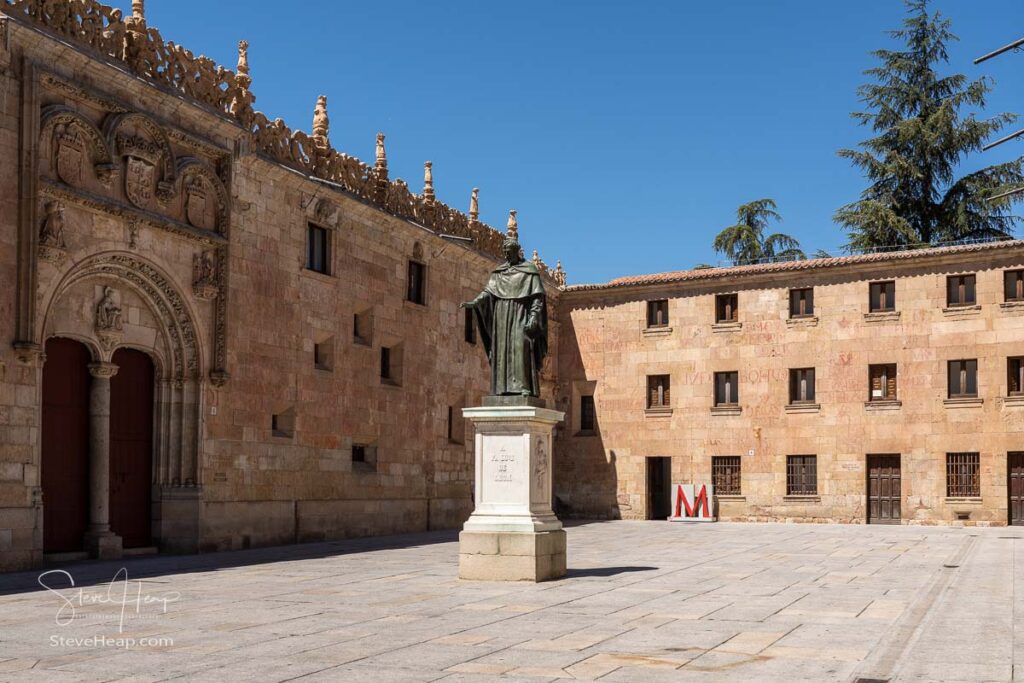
(131, 447)
(65, 445)
(659, 488)
(1015, 485)
(883, 489)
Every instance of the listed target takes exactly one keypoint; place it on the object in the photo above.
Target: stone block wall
(608, 351)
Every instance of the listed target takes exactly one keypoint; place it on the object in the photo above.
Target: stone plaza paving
(644, 601)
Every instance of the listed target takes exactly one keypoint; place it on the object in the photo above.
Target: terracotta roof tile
(786, 266)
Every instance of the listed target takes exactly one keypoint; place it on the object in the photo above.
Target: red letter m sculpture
(691, 503)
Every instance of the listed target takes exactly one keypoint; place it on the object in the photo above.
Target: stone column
(101, 542)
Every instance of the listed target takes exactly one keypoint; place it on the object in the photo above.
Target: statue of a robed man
(512, 316)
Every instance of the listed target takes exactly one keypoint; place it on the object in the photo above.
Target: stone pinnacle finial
(536, 258)
(513, 225)
(428, 181)
(139, 10)
(242, 72)
(474, 205)
(321, 122)
(559, 274)
(382, 155)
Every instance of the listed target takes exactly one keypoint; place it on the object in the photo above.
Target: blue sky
(625, 133)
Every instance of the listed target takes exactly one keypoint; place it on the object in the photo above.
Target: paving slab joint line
(883, 663)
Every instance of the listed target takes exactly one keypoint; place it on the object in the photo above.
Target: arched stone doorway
(65, 445)
(131, 447)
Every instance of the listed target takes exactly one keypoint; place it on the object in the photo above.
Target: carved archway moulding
(68, 135)
(158, 292)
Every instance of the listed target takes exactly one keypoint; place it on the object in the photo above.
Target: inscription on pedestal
(504, 464)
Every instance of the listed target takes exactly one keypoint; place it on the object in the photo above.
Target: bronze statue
(511, 314)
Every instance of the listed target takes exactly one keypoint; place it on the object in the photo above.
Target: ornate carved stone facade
(164, 215)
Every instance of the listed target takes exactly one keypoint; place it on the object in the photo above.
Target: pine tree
(745, 242)
(915, 197)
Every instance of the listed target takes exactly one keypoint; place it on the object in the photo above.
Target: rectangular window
(318, 249)
(963, 378)
(1015, 376)
(725, 308)
(882, 297)
(960, 290)
(658, 391)
(385, 363)
(801, 475)
(358, 453)
(801, 302)
(657, 313)
(451, 422)
(1013, 285)
(963, 475)
(725, 475)
(588, 414)
(417, 283)
(801, 385)
(882, 385)
(469, 327)
(727, 392)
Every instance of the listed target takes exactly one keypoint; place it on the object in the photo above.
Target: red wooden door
(883, 489)
(65, 445)
(131, 447)
(1015, 471)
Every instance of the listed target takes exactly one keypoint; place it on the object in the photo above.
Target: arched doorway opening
(131, 447)
(65, 445)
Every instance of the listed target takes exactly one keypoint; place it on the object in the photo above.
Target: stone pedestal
(513, 534)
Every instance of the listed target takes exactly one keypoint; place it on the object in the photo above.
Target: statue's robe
(514, 296)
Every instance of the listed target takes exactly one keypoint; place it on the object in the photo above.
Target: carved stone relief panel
(146, 157)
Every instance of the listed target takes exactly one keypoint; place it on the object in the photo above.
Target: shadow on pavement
(606, 571)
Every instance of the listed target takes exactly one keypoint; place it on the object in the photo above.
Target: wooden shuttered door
(884, 489)
(1015, 485)
(883, 296)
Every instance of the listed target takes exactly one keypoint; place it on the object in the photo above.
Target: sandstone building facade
(221, 333)
(881, 388)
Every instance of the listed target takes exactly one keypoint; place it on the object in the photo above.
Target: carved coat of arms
(70, 155)
(139, 179)
(195, 204)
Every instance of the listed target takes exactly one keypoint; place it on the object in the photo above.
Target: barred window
(801, 385)
(658, 391)
(882, 385)
(963, 475)
(726, 308)
(727, 392)
(960, 290)
(657, 313)
(725, 474)
(882, 297)
(801, 475)
(963, 378)
(801, 302)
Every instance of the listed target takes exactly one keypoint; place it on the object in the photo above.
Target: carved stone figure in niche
(52, 234)
(108, 312)
(70, 154)
(204, 275)
(108, 323)
(511, 314)
(133, 233)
